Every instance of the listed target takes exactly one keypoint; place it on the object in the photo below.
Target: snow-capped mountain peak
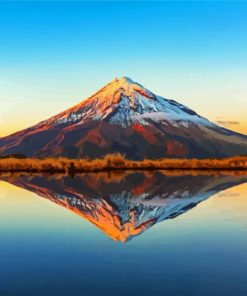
(129, 87)
(126, 117)
(125, 102)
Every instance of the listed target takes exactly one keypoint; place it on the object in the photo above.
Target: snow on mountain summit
(125, 117)
(124, 102)
(124, 85)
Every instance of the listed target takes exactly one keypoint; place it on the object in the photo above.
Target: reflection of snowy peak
(126, 207)
(125, 117)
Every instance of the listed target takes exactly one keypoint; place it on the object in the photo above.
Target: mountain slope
(125, 117)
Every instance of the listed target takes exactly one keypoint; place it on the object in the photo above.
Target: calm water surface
(125, 234)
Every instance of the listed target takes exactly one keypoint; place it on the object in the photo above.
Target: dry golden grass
(118, 162)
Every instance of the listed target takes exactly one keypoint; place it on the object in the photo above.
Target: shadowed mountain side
(125, 205)
(126, 117)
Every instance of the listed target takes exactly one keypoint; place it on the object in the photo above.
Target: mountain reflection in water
(124, 205)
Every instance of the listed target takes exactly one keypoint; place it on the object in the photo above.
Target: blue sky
(54, 54)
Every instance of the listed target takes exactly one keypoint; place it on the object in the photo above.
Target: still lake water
(123, 234)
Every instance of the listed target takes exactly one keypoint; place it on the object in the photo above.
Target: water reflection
(125, 204)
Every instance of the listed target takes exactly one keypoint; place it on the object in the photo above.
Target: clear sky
(54, 54)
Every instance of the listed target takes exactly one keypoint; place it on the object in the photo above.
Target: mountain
(124, 206)
(126, 117)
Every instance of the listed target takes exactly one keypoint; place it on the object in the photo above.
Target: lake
(133, 233)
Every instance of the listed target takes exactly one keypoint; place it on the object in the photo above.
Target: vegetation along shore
(117, 162)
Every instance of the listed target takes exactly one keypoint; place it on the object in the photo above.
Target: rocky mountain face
(126, 117)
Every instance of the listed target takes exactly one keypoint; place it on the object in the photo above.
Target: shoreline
(117, 162)
(124, 173)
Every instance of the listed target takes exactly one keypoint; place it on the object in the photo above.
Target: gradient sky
(54, 54)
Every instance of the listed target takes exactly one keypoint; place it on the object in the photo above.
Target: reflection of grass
(118, 162)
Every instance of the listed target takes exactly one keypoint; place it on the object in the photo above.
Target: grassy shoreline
(115, 162)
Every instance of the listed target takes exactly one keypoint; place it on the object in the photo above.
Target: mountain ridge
(126, 117)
